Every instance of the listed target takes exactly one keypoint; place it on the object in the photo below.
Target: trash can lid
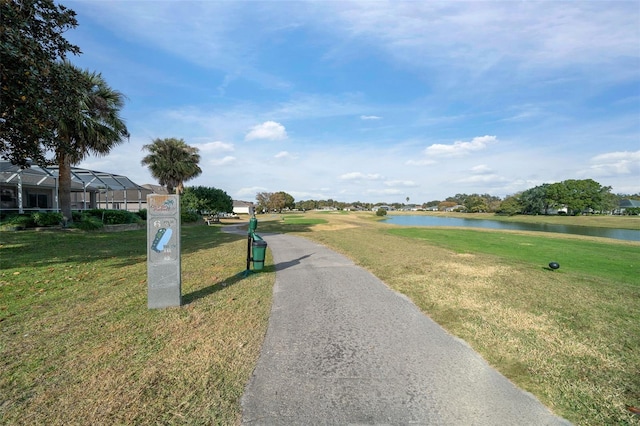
(261, 243)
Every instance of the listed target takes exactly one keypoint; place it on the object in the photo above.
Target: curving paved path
(342, 348)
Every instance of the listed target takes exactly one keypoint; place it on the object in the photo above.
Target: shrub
(381, 212)
(89, 223)
(189, 216)
(116, 217)
(47, 218)
(143, 214)
(97, 213)
(113, 217)
(20, 221)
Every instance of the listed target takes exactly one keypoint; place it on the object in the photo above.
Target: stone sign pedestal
(164, 280)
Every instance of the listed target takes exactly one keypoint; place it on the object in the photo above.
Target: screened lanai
(36, 189)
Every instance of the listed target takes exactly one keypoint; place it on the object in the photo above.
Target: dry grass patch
(332, 227)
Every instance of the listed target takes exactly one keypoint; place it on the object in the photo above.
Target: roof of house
(629, 203)
(90, 179)
(156, 189)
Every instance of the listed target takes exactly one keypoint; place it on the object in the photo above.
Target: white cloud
(614, 164)
(521, 113)
(481, 36)
(481, 169)
(319, 194)
(249, 191)
(285, 155)
(270, 130)
(405, 183)
(370, 117)
(360, 176)
(215, 147)
(475, 35)
(423, 162)
(460, 148)
(389, 191)
(222, 161)
(222, 88)
(320, 106)
(483, 179)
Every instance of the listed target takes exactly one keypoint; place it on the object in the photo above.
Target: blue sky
(374, 101)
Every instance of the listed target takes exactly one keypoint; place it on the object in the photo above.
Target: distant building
(627, 204)
(243, 207)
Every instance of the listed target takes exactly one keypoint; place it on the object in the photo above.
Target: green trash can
(259, 251)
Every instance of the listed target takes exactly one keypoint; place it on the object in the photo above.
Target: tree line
(570, 197)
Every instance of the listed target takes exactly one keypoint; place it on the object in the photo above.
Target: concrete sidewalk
(342, 348)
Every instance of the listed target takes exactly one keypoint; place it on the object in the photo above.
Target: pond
(423, 220)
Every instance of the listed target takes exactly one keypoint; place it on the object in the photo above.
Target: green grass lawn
(302, 220)
(79, 346)
(598, 259)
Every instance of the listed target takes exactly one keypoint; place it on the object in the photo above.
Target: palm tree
(172, 162)
(92, 125)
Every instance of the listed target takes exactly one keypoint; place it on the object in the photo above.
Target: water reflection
(420, 220)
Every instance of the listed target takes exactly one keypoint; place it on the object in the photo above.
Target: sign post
(163, 251)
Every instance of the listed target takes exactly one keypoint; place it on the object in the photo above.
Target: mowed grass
(591, 258)
(571, 336)
(79, 346)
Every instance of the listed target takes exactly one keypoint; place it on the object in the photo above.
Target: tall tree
(535, 200)
(91, 125)
(475, 203)
(32, 87)
(282, 200)
(172, 162)
(206, 200)
(584, 195)
(264, 201)
(511, 205)
(268, 201)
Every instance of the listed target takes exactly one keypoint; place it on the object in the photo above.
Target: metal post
(249, 241)
(57, 189)
(253, 224)
(20, 206)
